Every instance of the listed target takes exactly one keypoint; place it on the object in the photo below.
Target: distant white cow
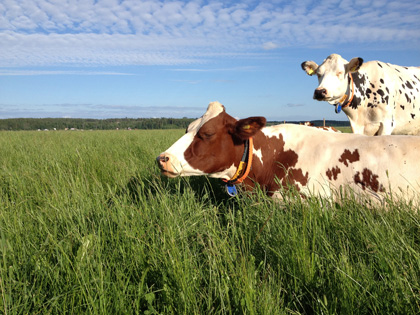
(378, 98)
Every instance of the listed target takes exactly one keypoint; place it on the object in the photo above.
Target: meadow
(88, 226)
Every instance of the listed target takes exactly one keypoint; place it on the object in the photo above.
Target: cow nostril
(320, 93)
(162, 159)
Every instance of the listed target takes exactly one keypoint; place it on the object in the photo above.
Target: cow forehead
(213, 110)
(179, 147)
(332, 63)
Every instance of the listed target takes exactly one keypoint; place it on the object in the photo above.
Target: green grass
(345, 129)
(88, 226)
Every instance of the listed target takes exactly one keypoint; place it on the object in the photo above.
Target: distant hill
(120, 123)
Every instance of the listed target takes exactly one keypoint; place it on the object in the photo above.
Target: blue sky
(132, 58)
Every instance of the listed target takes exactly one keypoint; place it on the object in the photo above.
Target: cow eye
(206, 134)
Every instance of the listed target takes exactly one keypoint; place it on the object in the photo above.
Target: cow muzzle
(320, 94)
(165, 164)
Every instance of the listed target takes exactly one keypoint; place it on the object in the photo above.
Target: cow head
(212, 145)
(332, 76)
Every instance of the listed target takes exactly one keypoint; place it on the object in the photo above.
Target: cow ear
(248, 127)
(354, 64)
(309, 67)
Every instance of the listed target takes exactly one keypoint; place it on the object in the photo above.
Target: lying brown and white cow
(378, 98)
(314, 161)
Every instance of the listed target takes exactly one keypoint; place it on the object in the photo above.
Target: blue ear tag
(338, 108)
(231, 190)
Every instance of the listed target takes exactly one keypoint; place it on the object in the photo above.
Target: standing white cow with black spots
(378, 98)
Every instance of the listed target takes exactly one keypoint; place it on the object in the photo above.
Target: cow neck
(244, 165)
(342, 103)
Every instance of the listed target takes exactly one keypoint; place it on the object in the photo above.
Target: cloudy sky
(134, 58)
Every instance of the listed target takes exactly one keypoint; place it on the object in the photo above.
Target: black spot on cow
(407, 98)
(380, 65)
(368, 92)
(412, 116)
(372, 85)
(382, 81)
(359, 81)
(408, 85)
(397, 70)
(402, 107)
(371, 105)
(387, 90)
(381, 93)
(355, 102)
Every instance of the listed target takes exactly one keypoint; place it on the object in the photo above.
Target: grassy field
(344, 129)
(88, 226)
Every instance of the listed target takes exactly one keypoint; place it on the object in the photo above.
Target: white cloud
(136, 32)
(19, 72)
(233, 69)
(269, 45)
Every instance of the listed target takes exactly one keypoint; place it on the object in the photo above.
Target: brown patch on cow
(277, 163)
(333, 173)
(213, 149)
(368, 180)
(329, 128)
(347, 156)
(294, 176)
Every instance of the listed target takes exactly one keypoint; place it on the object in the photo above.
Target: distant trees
(94, 124)
(118, 123)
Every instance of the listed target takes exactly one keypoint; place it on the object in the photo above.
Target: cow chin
(332, 100)
(326, 98)
(177, 169)
(169, 174)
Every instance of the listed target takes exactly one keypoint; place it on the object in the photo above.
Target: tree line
(93, 124)
(118, 123)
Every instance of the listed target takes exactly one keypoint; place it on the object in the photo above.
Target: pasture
(88, 226)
